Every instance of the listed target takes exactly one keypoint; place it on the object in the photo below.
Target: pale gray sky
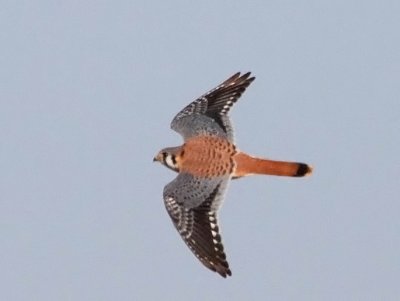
(87, 92)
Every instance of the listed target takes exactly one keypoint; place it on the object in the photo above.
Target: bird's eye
(164, 155)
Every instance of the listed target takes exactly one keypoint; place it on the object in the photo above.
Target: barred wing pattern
(209, 113)
(192, 204)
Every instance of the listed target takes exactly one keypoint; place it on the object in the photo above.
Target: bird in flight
(205, 163)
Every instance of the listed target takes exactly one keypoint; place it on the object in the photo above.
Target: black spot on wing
(221, 99)
(216, 103)
(199, 229)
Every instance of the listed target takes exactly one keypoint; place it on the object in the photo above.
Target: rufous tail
(247, 165)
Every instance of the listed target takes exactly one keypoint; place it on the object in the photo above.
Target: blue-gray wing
(193, 203)
(209, 113)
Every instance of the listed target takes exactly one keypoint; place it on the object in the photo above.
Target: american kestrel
(205, 163)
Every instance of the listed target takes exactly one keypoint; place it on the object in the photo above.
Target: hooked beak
(157, 158)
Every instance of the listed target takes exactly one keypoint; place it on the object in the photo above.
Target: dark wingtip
(247, 77)
(303, 170)
(225, 273)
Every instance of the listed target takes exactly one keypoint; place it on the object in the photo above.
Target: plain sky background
(87, 93)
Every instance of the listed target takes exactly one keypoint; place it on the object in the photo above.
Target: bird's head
(168, 157)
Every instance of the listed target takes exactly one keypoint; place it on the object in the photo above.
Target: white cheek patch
(169, 161)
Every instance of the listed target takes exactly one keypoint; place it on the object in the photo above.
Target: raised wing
(192, 203)
(209, 113)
